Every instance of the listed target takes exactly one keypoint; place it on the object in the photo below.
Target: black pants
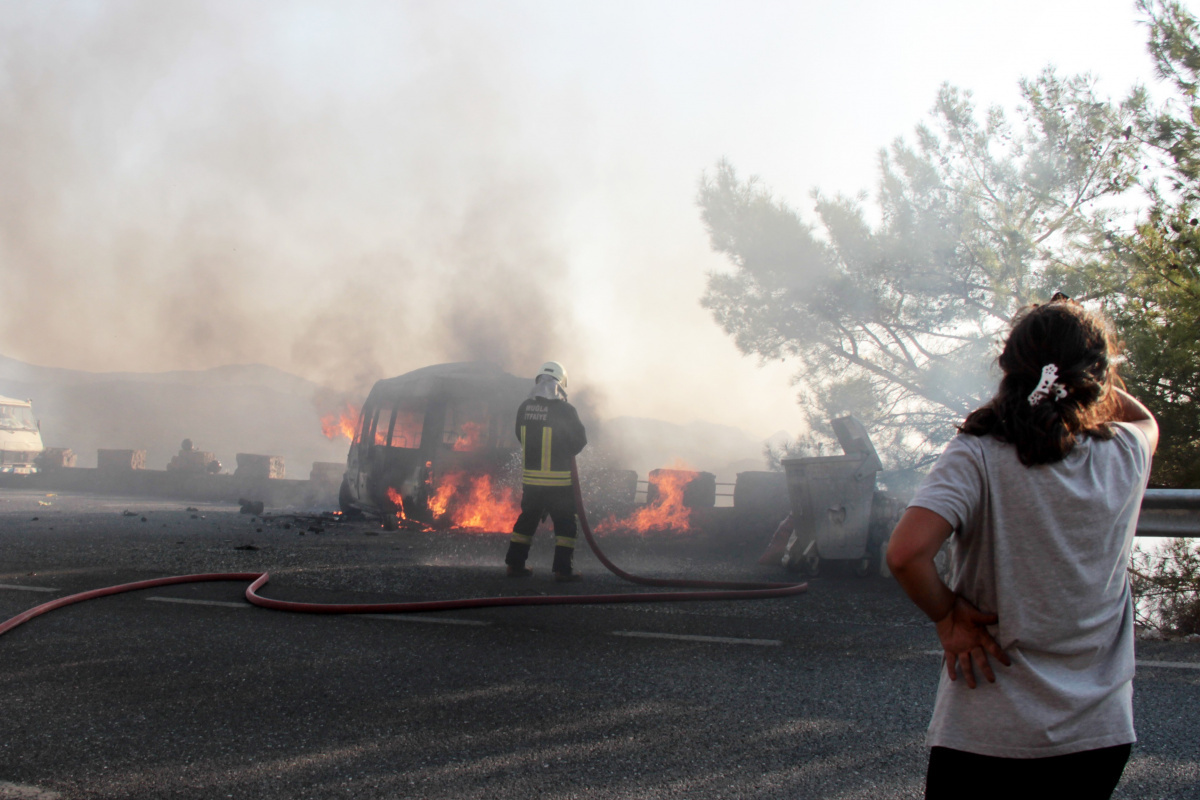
(536, 502)
(1092, 774)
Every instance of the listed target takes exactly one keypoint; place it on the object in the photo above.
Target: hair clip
(1047, 385)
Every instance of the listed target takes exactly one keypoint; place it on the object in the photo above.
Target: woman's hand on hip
(966, 642)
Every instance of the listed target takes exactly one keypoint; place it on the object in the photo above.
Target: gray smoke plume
(187, 185)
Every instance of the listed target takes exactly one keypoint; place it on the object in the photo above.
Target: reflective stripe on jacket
(551, 435)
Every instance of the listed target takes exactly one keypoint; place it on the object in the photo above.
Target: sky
(351, 190)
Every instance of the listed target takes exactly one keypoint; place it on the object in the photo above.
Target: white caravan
(20, 437)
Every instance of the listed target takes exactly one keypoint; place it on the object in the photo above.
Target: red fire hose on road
(716, 590)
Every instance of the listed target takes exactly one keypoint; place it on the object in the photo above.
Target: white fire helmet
(554, 370)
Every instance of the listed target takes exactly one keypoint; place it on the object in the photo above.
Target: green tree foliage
(893, 315)
(1158, 309)
(1159, 319)
(1176, 129)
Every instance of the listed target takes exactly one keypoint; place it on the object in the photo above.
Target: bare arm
(911, 550)
(961, 627)
(1131, 410)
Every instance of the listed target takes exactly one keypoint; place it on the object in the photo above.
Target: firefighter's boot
(518, 551)
(563, 555)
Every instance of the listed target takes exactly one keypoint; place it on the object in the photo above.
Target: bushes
(1166, 587)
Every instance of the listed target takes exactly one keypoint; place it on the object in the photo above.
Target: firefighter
(551, 435)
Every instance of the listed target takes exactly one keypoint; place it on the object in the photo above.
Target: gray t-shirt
(1046, 549)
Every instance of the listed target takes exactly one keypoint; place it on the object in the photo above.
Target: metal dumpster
(832, 498)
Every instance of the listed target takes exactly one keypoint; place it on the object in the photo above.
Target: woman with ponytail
(1040, 491)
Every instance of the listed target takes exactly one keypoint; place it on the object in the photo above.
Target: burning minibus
(428, 444)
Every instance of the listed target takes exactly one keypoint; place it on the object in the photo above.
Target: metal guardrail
(1166, 513)
(1170, 513)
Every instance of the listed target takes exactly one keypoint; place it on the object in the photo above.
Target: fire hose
(714, 590)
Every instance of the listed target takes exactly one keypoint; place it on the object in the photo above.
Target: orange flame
(342, 422)
(397, 501)
(666, 513)
(471, 501)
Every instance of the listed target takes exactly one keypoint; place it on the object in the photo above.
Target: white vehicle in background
(20, 437)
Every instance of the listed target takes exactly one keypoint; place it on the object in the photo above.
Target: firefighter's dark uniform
(551, 434)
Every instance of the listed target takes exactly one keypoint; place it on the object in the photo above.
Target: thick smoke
(515, 312)
(192, 185)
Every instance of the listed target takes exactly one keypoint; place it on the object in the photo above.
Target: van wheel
(344, 500)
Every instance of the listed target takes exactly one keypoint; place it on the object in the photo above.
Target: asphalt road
(824, 695)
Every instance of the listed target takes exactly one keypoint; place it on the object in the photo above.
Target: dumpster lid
(853, 438)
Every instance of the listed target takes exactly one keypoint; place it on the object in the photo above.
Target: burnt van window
(382, 417)
(406, 430)
(468, 426)
(364, 424)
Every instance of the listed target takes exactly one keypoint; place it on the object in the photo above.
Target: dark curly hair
(1081, 345)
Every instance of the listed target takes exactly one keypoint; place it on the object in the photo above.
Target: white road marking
(1169, 664)
(18, 791)
(189, 601)
(427, 619)
(689, 638)
(17, 588)
(1139, 662)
